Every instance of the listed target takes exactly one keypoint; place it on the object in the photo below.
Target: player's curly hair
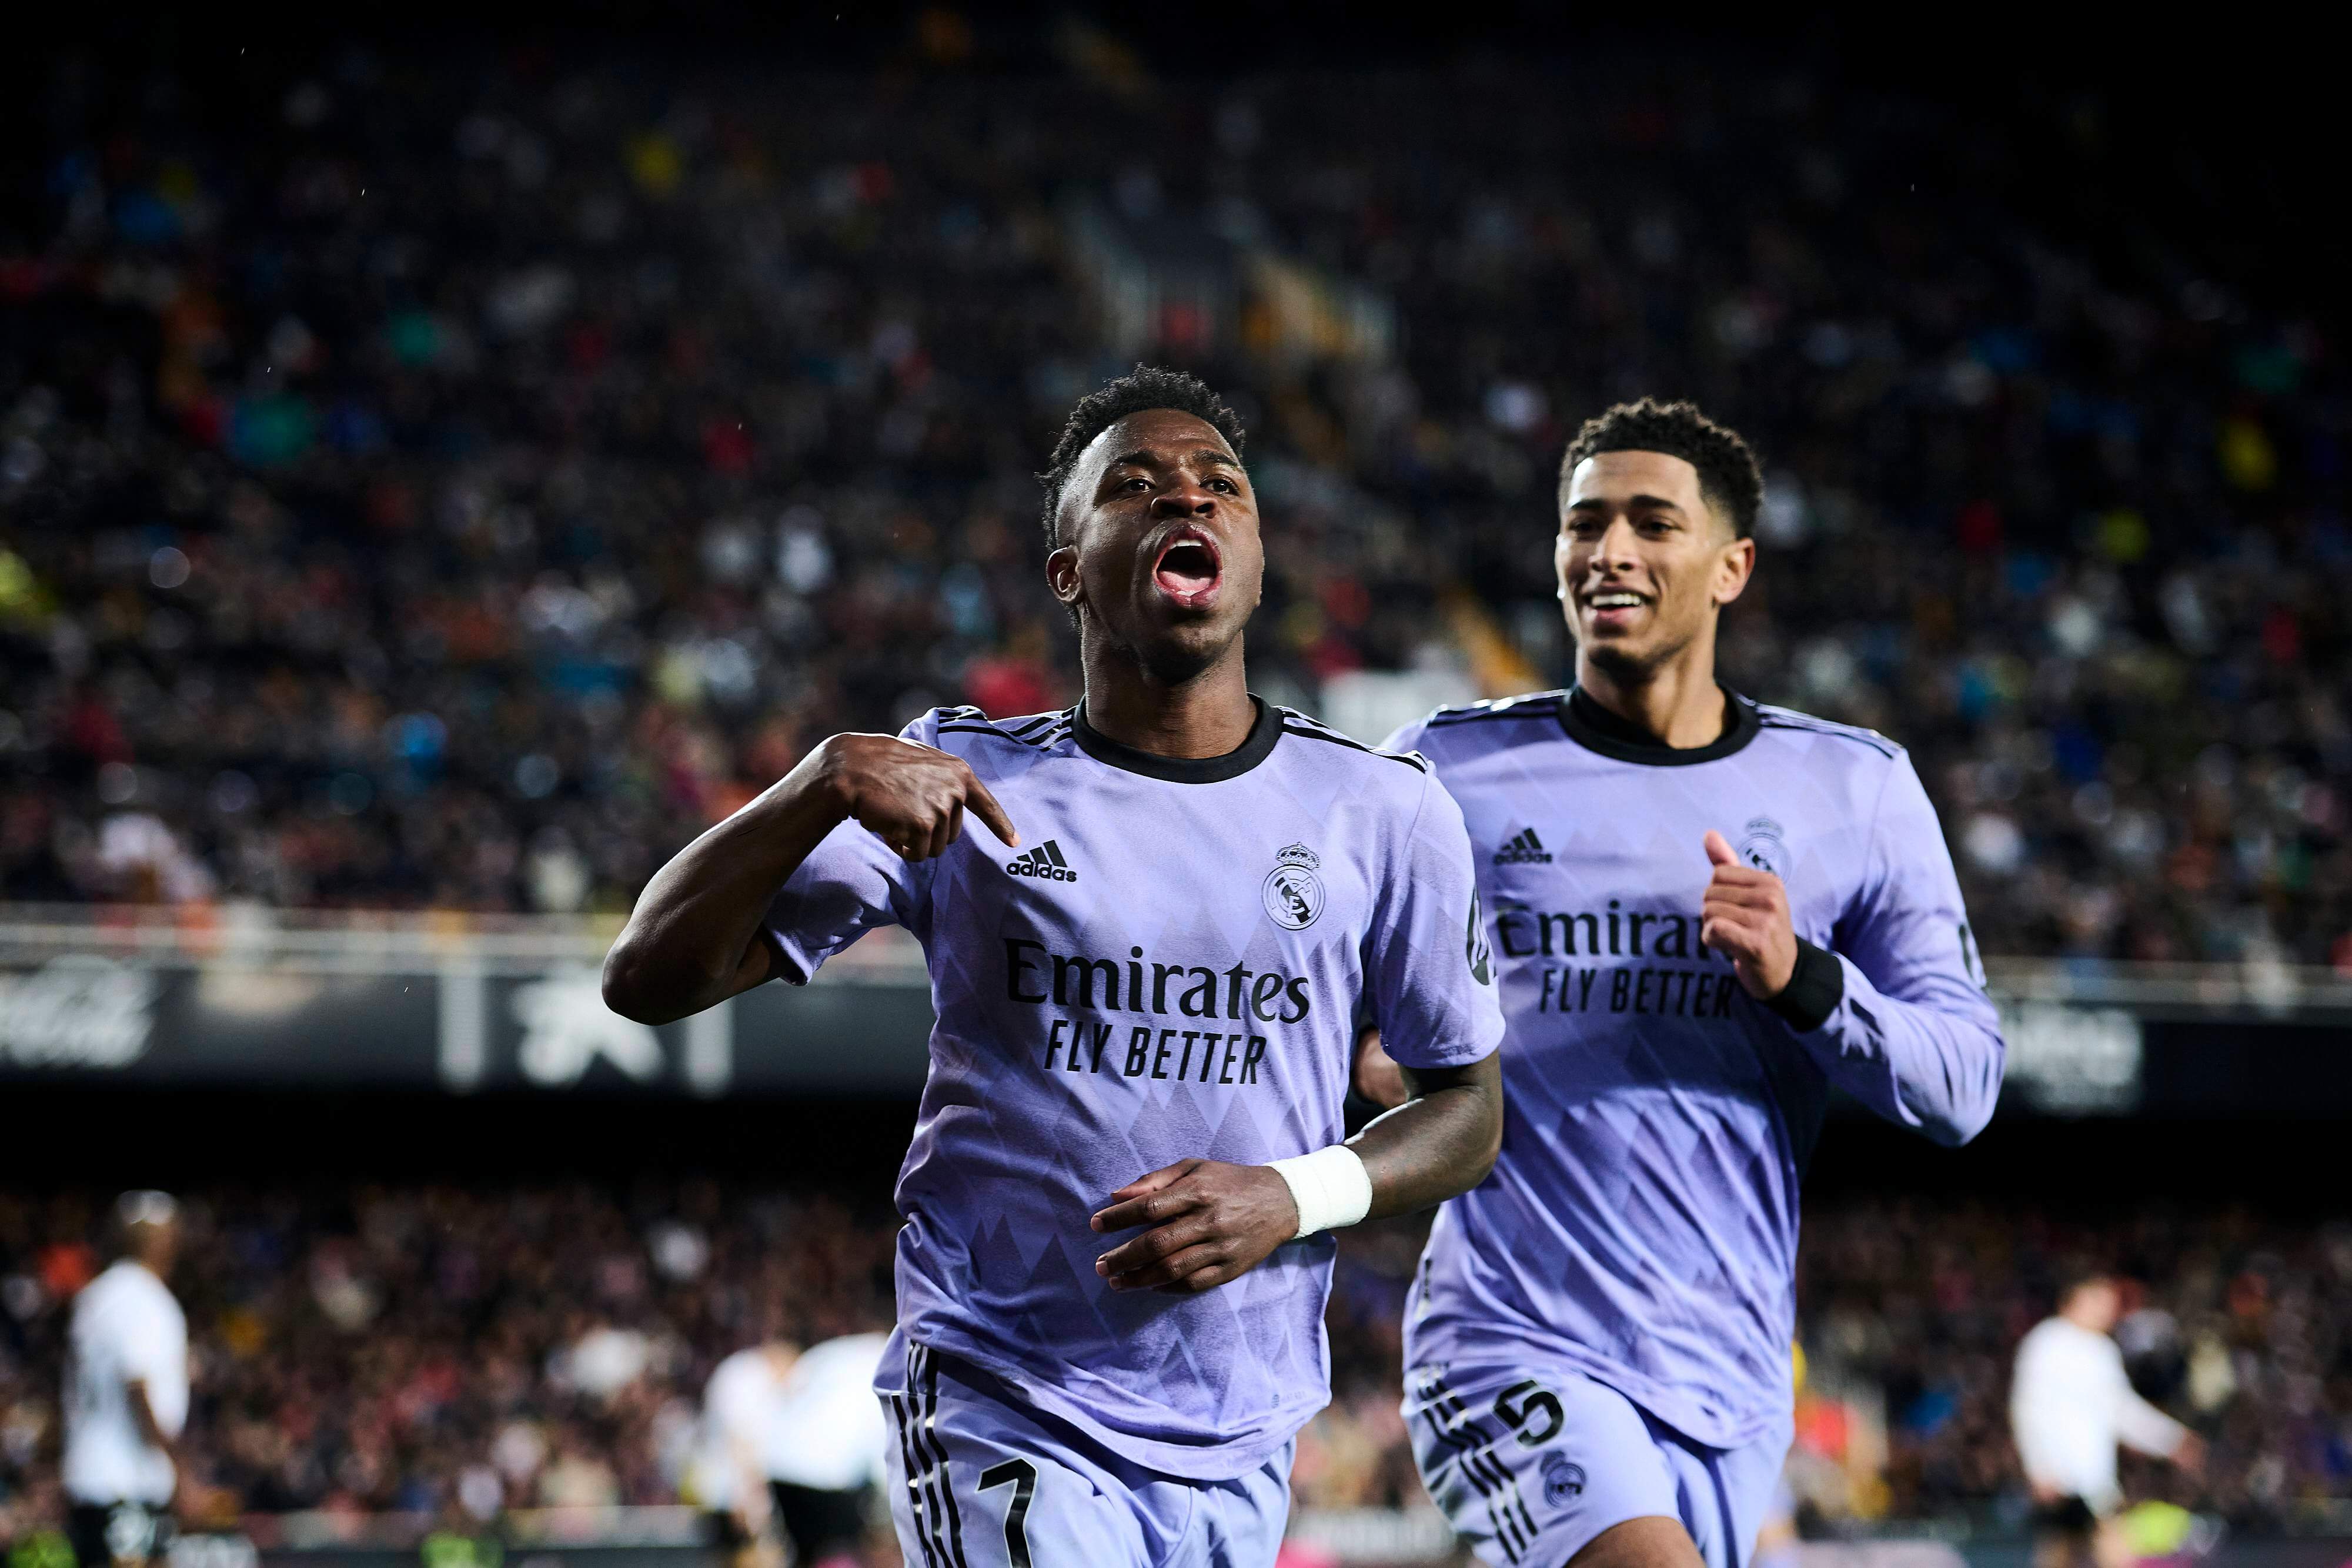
(1728, 479)
(1146, 386)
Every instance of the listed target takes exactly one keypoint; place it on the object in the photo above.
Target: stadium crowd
(443, 1351)
(1909, 1313)
(456, 1352)
(456, 483)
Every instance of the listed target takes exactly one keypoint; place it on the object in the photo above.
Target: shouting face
(1645, 563)
(1159, 550)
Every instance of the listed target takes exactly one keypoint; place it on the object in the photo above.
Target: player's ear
(1733, 568)
(1062, 576)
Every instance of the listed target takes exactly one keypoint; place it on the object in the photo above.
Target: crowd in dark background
(454, 1353)
(446, 481)
(447, 1351)
(2239, 1323)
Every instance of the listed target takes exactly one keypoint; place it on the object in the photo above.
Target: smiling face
(1643, 562)
(1159, 545)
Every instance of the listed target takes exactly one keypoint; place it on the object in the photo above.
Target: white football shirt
(2071, 1404)
(828, 1431)
(126, 1329)
(738, 1408)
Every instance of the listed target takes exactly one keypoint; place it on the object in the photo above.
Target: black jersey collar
(1262, 735)
(1595, 728)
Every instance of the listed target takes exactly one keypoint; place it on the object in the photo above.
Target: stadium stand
(454, 486)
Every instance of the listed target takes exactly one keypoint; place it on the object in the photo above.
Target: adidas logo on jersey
(1044, 861)
(1525, 850)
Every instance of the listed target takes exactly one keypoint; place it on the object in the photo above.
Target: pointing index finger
(982, 804)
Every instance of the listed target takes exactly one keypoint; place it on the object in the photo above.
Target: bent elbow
(627, 992)
(619, 997)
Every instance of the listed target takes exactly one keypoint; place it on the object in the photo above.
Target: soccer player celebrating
(1710, 913)
(1112, 1271)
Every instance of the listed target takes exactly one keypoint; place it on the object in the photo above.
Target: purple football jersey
(1170, 967)
(1641, 1221)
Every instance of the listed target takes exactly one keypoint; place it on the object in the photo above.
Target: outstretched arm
(1212, 1221)
(695, 937)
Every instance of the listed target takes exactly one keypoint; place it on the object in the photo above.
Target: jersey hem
(1214, 1459)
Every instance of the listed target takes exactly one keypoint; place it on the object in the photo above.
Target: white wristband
(1331, 1187)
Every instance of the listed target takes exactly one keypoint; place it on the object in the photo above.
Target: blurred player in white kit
(792, 1450)
(126, 1392)
(2070, 1405)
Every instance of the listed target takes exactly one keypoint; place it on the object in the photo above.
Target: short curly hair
(1728, 479)
(1145, 387)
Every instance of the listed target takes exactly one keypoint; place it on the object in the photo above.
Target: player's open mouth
(1613, 607)
(1189, 569)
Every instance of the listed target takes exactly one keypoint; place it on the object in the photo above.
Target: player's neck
(1208, 715)
(1678, 702)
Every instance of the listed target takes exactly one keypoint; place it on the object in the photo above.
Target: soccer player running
(1710, 913)
(1113, 1266)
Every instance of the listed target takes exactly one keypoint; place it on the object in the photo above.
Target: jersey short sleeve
(1429, 979)
(850, 883)
(150, 1342)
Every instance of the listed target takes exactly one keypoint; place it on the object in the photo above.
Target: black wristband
(1815, 988)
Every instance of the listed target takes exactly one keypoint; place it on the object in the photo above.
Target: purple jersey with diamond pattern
(1641, 1221)
(1170, 966)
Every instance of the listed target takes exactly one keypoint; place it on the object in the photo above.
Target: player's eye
(1225, 484)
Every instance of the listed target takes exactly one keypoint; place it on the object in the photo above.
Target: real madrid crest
(1293, 892)
(1763, 849)
(1563, 1478)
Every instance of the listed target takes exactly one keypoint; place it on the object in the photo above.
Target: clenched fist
(1745, 917)
(911, 797)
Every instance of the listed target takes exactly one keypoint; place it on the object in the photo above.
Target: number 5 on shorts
(1022, 1476)
(1532, 1411)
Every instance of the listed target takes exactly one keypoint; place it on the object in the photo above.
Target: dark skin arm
(1212, 1222)
(693, 938)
